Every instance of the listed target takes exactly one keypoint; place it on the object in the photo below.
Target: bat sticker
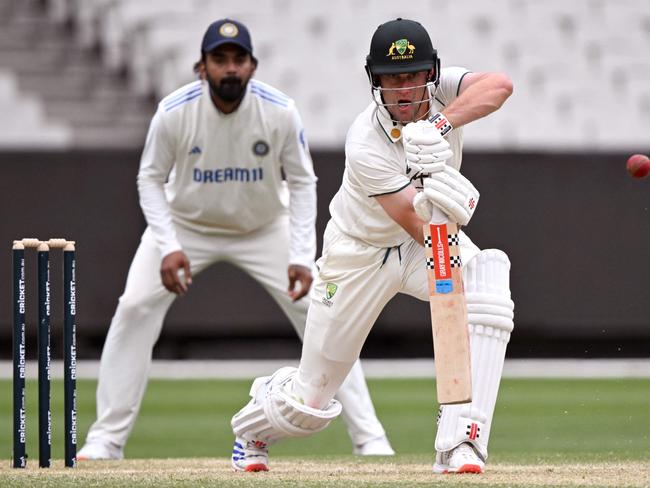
(442, 265)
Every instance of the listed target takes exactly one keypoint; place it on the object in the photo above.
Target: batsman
(403, 157)
(225, 175)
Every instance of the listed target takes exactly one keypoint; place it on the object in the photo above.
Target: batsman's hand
(175, 272)
(425, 148)
(301, 276)
(451, 192)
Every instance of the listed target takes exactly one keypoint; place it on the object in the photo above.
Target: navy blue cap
(226, 31)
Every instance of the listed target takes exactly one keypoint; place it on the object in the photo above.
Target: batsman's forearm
(416, 232)
(399, 207)
(481, 98)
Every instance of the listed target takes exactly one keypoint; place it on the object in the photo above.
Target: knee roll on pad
(487, 290)
(490, 317)
(273, 413)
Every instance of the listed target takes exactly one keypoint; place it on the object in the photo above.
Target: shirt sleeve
(450, 79)
(156, 163)
(373, 172)
(299, 172)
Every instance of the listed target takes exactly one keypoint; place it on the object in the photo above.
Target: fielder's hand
(425, 148)
(451, 192)
(175, 272)
(300, 275)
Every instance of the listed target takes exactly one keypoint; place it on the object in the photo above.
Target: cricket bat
(448, 311)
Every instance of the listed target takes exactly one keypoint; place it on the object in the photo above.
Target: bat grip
(438, 216)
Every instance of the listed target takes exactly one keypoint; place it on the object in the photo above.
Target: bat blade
(448, 313)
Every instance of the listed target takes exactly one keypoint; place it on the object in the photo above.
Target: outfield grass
(537, 421)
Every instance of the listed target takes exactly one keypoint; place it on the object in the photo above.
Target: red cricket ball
(638, 165)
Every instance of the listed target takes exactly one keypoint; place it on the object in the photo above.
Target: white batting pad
(490, 317)
(273, 413)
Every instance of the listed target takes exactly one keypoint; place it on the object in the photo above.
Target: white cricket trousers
(362, 279)
(136, 325)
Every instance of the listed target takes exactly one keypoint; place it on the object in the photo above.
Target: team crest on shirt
(401, 46)
(330, 291)
(260, 148)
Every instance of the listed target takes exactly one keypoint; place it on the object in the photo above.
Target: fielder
(211, 189)
(410, 138)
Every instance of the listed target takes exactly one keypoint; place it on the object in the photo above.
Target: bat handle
(438, 216)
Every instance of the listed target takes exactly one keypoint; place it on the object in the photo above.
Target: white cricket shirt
(375, 164)
(218, 173)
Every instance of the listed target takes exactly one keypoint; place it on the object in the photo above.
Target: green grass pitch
(537, 422)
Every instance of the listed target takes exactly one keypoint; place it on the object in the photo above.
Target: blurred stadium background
(79, 81)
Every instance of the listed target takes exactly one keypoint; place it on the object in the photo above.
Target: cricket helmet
(401, 46)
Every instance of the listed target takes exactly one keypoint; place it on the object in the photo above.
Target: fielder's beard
(230, 89)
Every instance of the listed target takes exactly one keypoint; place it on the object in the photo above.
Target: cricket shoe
(97, 451)
(250, 455)
(461, 459)
(374, 447)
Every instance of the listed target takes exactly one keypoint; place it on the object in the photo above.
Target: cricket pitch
(328, 473)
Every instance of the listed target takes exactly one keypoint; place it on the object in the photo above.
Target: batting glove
(425, 148)
(451, 192)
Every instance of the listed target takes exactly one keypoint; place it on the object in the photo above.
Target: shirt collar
(393, 130)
